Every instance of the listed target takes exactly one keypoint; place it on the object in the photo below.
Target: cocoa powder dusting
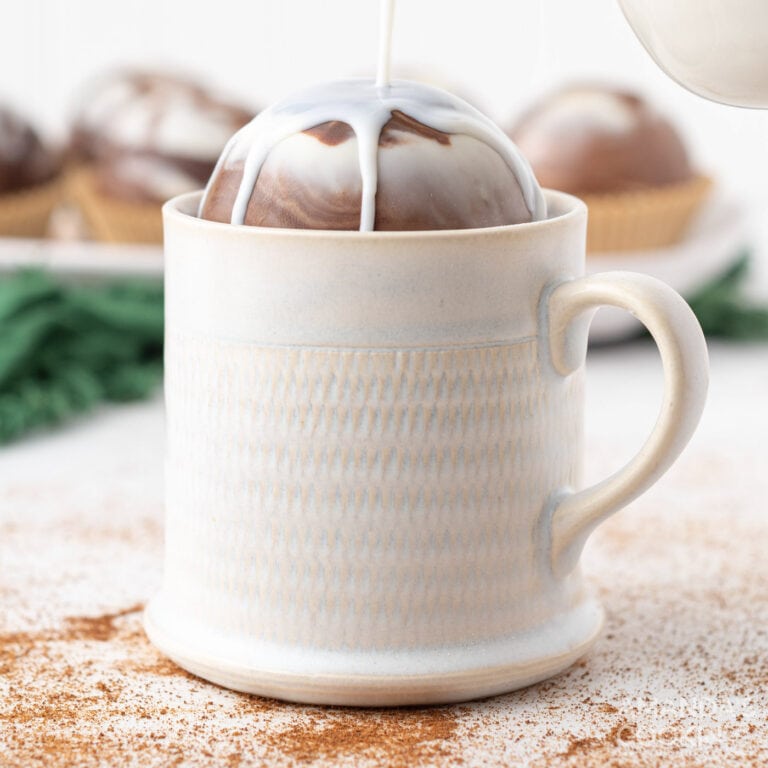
(678, 678)
(94, 691)
(395, 737)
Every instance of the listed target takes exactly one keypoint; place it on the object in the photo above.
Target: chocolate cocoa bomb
(427, 178)
(24, 159)
(152, 136)
(593, 140)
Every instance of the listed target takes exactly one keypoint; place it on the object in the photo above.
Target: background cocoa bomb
(150, 136)
(24, 160)
(374, 166)
(592, 140)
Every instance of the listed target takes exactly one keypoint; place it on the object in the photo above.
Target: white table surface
(678, 678)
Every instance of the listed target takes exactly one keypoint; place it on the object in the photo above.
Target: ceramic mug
(374, 441)
(717, 49)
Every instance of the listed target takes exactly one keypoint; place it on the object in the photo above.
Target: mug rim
(567, 207)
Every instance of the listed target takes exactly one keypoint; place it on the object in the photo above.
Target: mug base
(370, 690)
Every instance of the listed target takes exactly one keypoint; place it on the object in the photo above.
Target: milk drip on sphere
(366, 106)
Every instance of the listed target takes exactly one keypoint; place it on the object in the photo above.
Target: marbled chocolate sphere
(422, 158)
(151, 136)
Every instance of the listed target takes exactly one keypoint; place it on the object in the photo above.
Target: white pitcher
(716, 48)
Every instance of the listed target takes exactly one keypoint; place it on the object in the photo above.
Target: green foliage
(66, 347)
(722, 309)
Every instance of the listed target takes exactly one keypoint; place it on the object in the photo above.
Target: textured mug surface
(373, 445)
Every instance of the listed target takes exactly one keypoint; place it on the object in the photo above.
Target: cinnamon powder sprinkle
(397, 737)
(70, 708)
(679, 677)
(94, 692)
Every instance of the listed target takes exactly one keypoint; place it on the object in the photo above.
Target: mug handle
(569, 308)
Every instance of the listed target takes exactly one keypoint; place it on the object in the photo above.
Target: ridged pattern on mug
(363, 499)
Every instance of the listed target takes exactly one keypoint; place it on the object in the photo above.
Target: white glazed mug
(715, 48)
(373, 445)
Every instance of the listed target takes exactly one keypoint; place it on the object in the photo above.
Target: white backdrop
(500, 53)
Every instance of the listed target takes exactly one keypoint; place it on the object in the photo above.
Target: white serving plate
(713, 242)
(82, 258)
(717, 236)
